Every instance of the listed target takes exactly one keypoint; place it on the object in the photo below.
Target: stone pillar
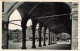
(5, 34)
(74, 44)
(33, 33)
(40, 28)
(23, 25)
(54, 39)
(49, 38)
(44, 34)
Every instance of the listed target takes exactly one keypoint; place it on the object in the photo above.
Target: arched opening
(37, 26)
(29, 22)
(64, 37)
(29, 33)
(15, 20)
(15, 30)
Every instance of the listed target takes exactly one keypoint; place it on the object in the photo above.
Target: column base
(33, 46)
(49, 44)
(54, 43)
(40, 45)
(24, 48)
(44, 44)
(4, 47)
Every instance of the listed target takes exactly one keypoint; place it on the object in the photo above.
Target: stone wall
(74, 44)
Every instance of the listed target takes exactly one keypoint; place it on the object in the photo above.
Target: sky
(15, 16)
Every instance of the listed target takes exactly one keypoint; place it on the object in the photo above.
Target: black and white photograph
(40, 25)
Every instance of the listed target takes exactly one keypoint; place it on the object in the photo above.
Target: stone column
(5, 35)
(33, 33)
(74, 43)
(44, 34)
(53, 38)
(23, 25)
(49, 38)
(40, 28)
(54, 41)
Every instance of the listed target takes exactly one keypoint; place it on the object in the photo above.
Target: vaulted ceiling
(54, 15)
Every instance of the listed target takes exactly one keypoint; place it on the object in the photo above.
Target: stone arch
(13, 8)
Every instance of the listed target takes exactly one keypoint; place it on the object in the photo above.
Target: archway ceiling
(47, 14)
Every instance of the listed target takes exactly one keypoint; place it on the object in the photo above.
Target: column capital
(5, 25)
(33, 27)
(44, 32)
(7, 22)
(23, 24)
(5, 17)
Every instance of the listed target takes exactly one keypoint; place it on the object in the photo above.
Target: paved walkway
(56, 47)
(59, 46)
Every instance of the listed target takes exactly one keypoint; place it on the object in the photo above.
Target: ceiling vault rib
(38, 14)
(51, 16)
(50, 24)
(44, 15)
(33, 9)
(48, 20)
(56, 26)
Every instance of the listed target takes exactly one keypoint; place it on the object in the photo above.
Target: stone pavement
(58, 46)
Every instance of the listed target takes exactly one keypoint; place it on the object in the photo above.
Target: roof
(54, 15)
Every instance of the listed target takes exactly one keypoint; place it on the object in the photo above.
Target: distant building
(17, 34)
